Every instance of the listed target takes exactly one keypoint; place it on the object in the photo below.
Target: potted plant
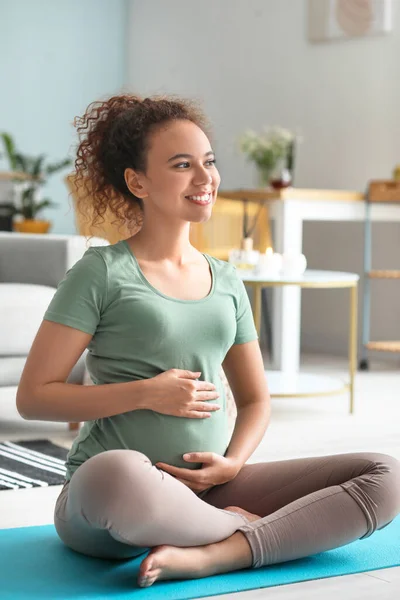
(273, 152)
(29, 202)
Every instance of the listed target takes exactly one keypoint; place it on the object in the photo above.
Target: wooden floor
(308, 427)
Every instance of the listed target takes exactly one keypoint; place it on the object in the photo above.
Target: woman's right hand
(177, 392)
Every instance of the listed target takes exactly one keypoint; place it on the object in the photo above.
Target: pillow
(22, 307)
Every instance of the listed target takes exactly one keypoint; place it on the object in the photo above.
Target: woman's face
(181, 178)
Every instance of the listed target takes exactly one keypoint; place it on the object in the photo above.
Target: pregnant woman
(153, 467)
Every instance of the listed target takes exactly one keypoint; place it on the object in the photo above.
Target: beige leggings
(118, 505)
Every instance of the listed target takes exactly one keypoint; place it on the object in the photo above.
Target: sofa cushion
(22, 307)
(11, 368)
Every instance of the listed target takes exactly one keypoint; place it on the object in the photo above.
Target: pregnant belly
(163, 438)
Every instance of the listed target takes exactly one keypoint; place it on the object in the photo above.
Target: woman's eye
(185, 165)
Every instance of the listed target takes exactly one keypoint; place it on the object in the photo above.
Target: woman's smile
(202, 199)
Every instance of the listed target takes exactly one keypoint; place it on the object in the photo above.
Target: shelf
(12, 175)
(384, 274)
(392, 346)
(291, 193)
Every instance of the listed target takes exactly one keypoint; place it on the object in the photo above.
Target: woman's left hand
(216, 470)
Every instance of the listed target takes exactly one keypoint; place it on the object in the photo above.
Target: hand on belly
(216, 470)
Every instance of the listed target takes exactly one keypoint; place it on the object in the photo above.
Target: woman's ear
(134, 183)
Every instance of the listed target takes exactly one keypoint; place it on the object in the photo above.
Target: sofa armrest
(41, 259)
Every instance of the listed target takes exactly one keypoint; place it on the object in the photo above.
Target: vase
(293, 264)
(264, 176)
(31, 226)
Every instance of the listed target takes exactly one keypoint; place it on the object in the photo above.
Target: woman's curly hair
(114, 135)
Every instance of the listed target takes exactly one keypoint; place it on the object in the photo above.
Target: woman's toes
(146, 581)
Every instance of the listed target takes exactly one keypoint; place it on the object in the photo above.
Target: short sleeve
(80, 297)
(245, 327)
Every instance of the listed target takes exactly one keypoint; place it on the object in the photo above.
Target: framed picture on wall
(348, 19)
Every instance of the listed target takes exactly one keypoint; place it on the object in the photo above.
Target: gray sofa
(31, 266)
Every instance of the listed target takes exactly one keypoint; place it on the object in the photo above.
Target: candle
(293, 264)
(269, 263)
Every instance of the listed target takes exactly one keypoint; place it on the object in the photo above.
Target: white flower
(267, 147)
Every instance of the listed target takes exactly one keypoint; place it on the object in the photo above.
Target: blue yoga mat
(34, 563)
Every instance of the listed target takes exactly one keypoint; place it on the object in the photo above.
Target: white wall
(250, 63)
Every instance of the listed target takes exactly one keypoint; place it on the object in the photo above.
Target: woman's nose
(203, 176)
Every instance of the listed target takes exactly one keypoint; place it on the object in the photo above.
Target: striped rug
(31, 463)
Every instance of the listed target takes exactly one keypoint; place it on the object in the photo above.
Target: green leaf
(45, 203)
(27, 196)
(10, 149)
(58, 166)
(37, 165)
(21, 162)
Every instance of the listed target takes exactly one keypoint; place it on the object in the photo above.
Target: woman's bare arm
(43, 393)
(244, 369)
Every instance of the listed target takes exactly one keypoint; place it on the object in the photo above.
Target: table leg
(286, 309)
(352, 343)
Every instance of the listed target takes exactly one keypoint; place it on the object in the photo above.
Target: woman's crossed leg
(118, 505)
(310, 505)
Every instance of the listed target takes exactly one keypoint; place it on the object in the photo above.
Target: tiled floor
(307, 427)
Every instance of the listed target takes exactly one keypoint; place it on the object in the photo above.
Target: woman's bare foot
(250, 516)
(172, 562)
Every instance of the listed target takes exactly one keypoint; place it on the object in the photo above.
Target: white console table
(289, 208)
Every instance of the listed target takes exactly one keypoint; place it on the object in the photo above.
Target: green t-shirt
(138, 333)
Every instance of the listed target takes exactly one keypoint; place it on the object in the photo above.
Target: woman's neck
(177, 251)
